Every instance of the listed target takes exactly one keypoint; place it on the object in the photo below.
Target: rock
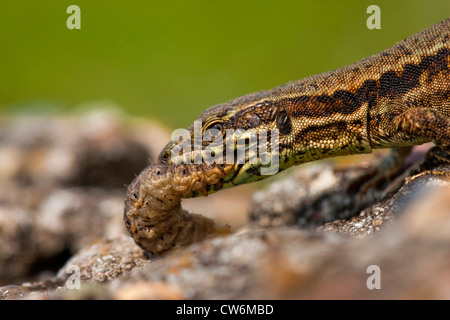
(104, 259)
(223, 268)
(280, 203)
(309, 196)
(372, 218)
(61, 221)
(92, 149)
(12, 292)
(73, 218)
(17, 248)
(63, 183)
(288, 263)
(317, 193)
(62, 186)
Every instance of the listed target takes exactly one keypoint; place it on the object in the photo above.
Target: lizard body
(395, 99)
(399, 97)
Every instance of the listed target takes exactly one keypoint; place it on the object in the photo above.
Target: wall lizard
(396, 99)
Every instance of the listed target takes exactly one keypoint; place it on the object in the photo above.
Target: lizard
(395, 99)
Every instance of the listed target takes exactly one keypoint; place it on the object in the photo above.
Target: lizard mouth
(152, 212)
(245, 157)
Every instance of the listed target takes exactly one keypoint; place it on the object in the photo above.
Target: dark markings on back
(390, 84)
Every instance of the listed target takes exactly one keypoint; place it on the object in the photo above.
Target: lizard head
(248, 136)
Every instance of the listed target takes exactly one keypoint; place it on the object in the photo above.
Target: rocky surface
(61, 187)
(318, 193)
(63, 183)
(306, 238)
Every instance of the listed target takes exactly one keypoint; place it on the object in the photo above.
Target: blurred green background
(170, 60)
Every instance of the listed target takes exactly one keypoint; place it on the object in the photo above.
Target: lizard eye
(164, 156)
(284, 123)
(212, 131)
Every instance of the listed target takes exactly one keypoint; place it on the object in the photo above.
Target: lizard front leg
(422, 122)
(409, 127)
(425, 123)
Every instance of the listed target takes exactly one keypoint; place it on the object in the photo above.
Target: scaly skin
(395, 99)
(153, 213)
